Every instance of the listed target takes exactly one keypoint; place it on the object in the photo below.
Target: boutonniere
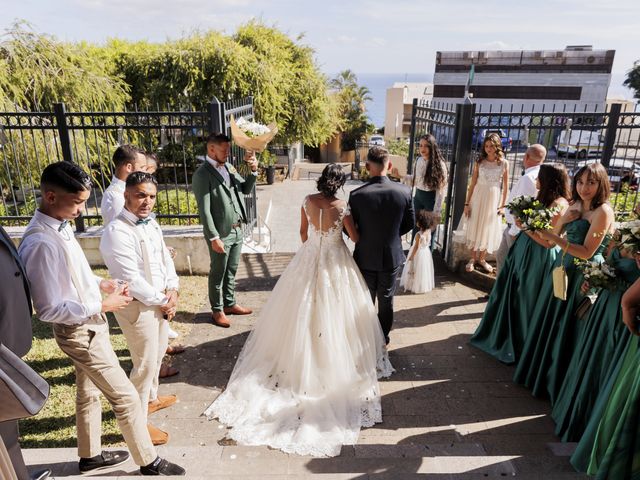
(232, 169)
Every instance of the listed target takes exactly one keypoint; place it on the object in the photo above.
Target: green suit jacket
(216, 200)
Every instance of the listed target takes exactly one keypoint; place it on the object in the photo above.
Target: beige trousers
(147, 335)
(98, 370)
(6, 467)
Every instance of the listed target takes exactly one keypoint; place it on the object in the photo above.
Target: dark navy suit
(382, 211)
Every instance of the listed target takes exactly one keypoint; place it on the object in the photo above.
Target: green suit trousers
(222, 272)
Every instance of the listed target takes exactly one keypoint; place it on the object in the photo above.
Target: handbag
(560, 280)
(22, 390)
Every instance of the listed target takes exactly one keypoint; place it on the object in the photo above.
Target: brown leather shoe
(237, 310)
(163, 401)
(158, 437)
(220, 319)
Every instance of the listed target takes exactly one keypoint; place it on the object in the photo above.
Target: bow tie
(63, 225)
(143, 221)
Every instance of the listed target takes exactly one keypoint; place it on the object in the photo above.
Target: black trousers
(9, 434)
(382, 286)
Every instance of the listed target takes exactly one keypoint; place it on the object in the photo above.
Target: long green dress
(503, 328)
(553, 330)
(602, 343)
(614, 448)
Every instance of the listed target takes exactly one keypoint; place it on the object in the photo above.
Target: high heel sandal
(470, 266)
(486, 267)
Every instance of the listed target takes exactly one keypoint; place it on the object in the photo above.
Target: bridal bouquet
(598, 275)
(252, 135)
(531, 212)
(628, 236)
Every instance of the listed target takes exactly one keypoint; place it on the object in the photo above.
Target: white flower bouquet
(252, 135)
(628, 236)
(598, 275)
(531, 213)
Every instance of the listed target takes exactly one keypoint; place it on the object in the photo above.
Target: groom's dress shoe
(220, 319)
(237, 310)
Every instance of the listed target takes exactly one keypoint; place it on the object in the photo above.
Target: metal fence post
(65, 145)
(215, 116)
(610, 134)
(412, 136)
(460, 164)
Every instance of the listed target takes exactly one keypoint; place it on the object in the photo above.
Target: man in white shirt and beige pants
(526, 185)
(133, 249)
(67, 294)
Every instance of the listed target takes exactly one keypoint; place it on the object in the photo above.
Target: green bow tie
(63, 225)
(143, 221)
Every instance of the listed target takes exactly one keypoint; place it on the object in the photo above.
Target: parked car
(480, 135)
(621, 171)
(377, 140)
(580, 143)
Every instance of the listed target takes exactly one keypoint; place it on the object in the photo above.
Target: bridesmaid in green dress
(553, 331)
(602, 344)
(503, 328)
(610, 446)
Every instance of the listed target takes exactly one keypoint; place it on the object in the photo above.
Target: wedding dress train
(306, 380)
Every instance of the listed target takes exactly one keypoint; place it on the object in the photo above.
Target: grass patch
(55, 425)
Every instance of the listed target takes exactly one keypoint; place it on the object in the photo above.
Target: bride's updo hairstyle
(331, 180)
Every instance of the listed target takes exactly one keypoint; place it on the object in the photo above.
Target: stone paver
(450, 412)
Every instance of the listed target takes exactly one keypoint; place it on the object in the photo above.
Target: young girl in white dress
(306, 380)
(484, 207)
(417, 275)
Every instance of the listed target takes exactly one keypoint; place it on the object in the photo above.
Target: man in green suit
(218, 188)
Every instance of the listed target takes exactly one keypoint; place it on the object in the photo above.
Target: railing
(31, 140)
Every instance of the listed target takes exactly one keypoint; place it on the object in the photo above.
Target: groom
(382, 211)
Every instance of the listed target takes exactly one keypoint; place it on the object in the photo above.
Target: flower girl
(417, 275)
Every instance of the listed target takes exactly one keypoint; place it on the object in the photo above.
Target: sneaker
(173, 334)
(104, 460)
(163, 467)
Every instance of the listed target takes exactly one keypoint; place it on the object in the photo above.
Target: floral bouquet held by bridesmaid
(531, 214)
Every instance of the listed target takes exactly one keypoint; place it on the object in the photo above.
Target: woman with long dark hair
(429, 178)
(503, 328)
(553, 330)
(484, 207)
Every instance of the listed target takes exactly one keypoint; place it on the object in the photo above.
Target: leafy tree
(36, 70)
(354, 123)
(633, 79)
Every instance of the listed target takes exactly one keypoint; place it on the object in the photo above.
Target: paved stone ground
(450, 412)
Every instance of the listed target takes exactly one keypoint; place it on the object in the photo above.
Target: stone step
(450, 460)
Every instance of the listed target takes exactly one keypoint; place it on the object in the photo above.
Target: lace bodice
(325, 224)
(490, 173)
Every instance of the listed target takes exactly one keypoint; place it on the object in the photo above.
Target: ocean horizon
(377, 83)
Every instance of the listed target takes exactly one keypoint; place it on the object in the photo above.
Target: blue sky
(398, 36)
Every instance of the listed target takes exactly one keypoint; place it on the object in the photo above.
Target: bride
(306, 380)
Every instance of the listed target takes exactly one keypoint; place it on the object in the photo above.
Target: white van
(580, 143)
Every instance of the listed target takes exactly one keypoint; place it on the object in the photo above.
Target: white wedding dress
(306, 380)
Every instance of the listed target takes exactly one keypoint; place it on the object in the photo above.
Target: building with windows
(577, 77)
(397, 117)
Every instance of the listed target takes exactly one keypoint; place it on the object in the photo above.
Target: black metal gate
(571, 137)
(29, 141)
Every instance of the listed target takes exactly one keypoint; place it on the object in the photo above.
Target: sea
(377, 83)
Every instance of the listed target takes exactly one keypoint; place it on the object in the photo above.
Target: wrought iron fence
(572, 137)
(31, 140)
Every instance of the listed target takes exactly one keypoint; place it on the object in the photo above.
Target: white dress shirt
(122, 253)
(55, 297)
(417, 180)
(526, 185)
(112, 201)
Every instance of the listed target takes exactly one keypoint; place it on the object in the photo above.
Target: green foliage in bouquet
(628, 236)
(532, 213)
